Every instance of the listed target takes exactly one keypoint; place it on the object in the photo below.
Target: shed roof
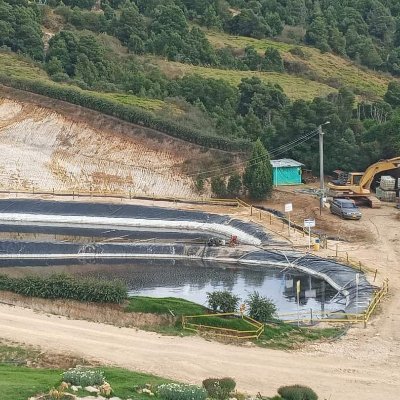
(285, 162)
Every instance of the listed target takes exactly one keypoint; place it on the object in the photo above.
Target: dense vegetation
(103, 51)
(62, 286)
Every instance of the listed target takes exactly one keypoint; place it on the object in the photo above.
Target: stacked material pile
(387, 189)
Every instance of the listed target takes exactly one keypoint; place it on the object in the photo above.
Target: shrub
(219, 389)
(223, 301)
(297, 392)
(176, 391)
(63, 286)
(260, 308)
(83, 377)
(218, 186)
(298, 51)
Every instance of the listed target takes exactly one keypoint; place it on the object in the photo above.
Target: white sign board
(311, 294)
(288, 207)
(309, 223)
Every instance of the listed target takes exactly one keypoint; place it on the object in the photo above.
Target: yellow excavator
(357, 185)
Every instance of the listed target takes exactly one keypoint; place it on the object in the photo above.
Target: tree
(252, 125)
(272, 60)
(392, 95)
(54, 66)
(258, 174)
(234, 185)
(218, 186)
(251, 58)
(261, 308)
(317, 34)
(130, 22)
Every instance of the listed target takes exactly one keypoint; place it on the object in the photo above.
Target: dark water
(192, 280)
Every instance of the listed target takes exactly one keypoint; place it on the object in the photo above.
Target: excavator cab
(347, 178)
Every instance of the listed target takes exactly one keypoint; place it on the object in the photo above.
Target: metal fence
(189, 323)
(339, 317)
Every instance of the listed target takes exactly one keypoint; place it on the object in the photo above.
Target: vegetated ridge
(212, 73)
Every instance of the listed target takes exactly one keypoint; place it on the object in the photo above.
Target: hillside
(327, 68)
(220, 81)
(43, 149)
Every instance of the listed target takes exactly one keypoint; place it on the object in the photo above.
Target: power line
(275, 152)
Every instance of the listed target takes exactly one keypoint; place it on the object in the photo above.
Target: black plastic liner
(45, 207)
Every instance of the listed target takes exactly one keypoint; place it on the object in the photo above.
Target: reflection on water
(192, 280)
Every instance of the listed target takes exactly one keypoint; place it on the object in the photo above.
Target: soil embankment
(48, 144)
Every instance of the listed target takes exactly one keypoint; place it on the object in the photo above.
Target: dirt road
(335, 377)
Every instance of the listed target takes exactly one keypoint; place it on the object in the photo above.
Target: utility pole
(321, 167)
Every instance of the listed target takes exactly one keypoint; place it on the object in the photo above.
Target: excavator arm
(372, 170)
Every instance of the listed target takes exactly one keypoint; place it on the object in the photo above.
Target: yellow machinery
(358, 184)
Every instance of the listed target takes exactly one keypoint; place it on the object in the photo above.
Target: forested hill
(221, 73)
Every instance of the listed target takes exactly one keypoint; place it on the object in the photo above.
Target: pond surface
(192, 280)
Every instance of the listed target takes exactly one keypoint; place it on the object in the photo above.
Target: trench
(163, 252)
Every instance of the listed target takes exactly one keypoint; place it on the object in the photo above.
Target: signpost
(298, 302)
(288, 210)
(309, 223)
(357, 283)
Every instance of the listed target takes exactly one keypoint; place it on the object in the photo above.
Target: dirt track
(193, 359)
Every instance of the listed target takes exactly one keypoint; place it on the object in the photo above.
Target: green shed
(286, 172)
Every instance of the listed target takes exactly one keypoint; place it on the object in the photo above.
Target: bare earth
(362, 365)
(43, 149)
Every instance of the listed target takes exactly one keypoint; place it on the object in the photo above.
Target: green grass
(276, 336)
(224, 322)
(164, 306)
(326, 66)
(295, 87)
(20, 383)
(286, 337)
(19, 67)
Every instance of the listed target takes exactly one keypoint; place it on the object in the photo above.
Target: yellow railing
(188, 323)
(122, 195)
(340, 317)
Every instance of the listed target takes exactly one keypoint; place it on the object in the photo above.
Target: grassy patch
(275, 336)
(225, 323)
(286, 336)
(164, 306)
(328, 67)
(295, 87)
(19, 67)
(19, 383)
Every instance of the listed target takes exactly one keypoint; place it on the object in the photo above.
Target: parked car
(345, 208)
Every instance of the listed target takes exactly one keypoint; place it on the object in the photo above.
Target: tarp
(79, 217)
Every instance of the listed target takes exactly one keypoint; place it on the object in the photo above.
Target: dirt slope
(334, 376)
(47, 149)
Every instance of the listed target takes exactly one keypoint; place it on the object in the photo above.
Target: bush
(218, 186)
(260, 308)
(219, 389)
(63, 286)
(297, 392)
(83, 377)
(176, 391)
(223, 301)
